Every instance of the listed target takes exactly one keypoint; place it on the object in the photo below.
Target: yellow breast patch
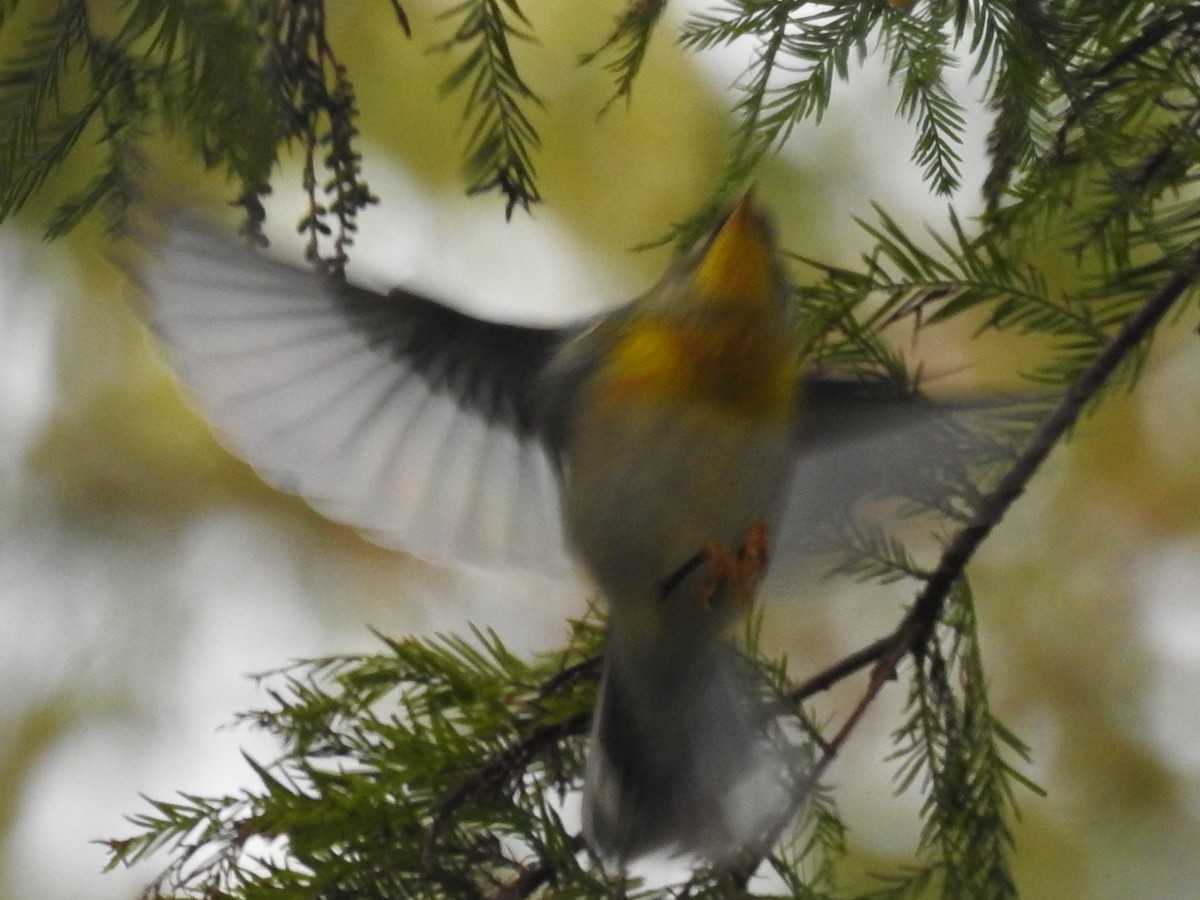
(728, 366)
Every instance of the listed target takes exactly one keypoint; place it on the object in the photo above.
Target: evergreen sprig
(871, 553)
(432, 769)
(1085, 98)
(919, 58)
(629, 41)
(240, 81)
(960, 273)
(323, 113)
(37, 134)
(953, 749)
(805, 49)
(502, 136)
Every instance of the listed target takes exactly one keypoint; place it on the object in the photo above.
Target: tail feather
(686, 758)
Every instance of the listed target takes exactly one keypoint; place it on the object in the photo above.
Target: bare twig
(842, 669)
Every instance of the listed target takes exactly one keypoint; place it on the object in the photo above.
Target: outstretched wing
(398, 415)
(863, 440)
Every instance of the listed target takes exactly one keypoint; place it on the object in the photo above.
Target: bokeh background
(144, 573)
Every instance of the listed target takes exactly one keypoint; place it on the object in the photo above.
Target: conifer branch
(629, 40)
(926, 611)
(319, 91)
(434, 770)
(502, 136)
(914, 634)
(168, 65)
(496, 772)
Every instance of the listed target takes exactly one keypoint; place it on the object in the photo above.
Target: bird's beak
(739, 264)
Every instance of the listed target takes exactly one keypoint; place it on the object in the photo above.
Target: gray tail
(686, 757)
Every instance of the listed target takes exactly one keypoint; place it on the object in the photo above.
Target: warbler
(669, 447)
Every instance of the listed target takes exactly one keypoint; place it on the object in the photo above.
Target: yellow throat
(718, 339)
(739, 268)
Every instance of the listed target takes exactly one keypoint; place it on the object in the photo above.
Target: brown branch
(568, 677)
(884, 671)
(918, 625)
(914, 632)
(841, 669)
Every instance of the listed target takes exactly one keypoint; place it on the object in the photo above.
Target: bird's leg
(672, 581)
(741, 571)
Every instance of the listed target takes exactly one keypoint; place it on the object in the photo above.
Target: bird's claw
(740, 572)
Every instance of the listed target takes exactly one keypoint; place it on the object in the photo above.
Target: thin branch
(893, 651)
(918, 625)
(531, 878)
(914, 632)
(585, 670)
(496, 770)
(842, 669)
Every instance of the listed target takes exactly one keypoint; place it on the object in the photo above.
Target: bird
(670, 448)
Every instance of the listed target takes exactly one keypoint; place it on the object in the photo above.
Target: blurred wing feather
(860, 441)
(414, 422)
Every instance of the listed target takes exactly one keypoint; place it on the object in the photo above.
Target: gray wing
(865, 440)
(398, 415)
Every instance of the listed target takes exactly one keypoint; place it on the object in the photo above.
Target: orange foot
(741, 571)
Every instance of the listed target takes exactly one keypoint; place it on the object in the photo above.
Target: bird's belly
(649, 486)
